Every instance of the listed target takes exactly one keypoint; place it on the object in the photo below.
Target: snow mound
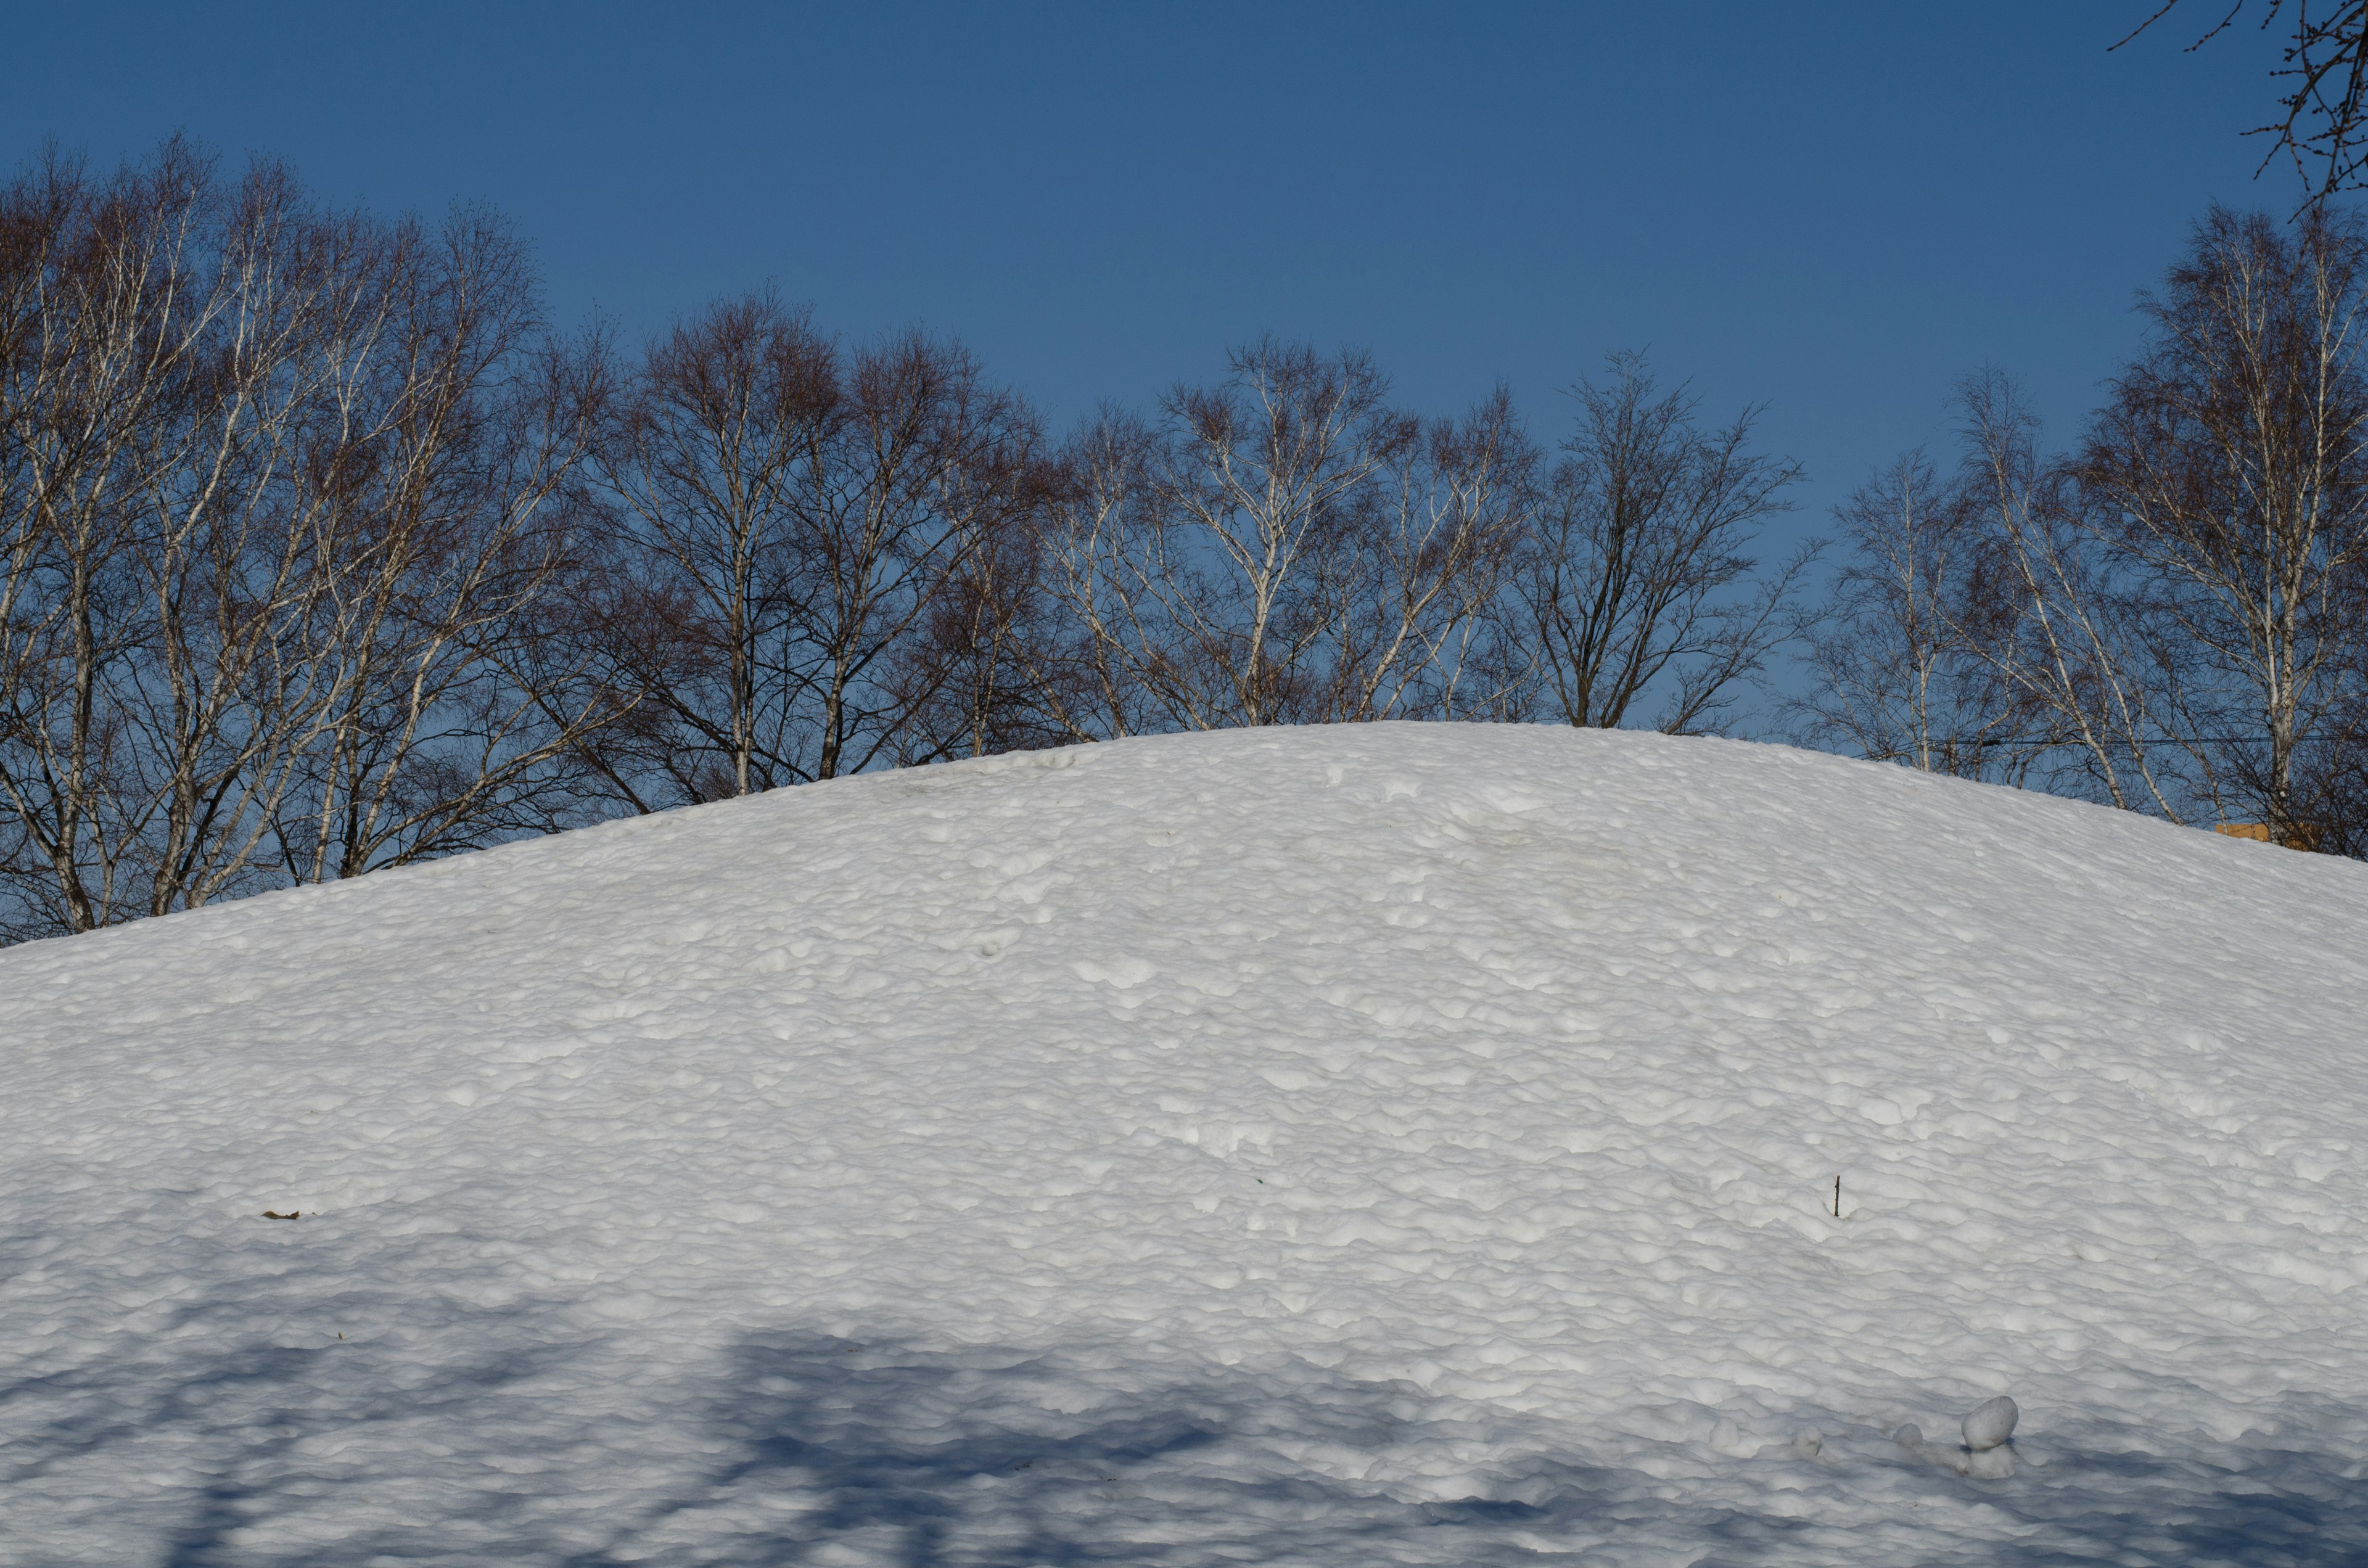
(1389, 1144)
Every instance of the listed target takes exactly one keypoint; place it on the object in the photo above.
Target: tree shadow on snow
(845, 1451)
(995, 1457)
(2111, 1493)
(827, 1451)
(189, 1442)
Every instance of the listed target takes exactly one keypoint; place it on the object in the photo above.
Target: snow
(1990, 1423)
(1389, 1144)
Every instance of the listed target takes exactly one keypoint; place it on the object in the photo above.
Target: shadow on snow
(815, 1449)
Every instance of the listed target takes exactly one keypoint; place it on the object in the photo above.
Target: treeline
(322, 551)
(2171, 617)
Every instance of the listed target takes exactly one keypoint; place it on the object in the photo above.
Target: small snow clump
(1990, 1423)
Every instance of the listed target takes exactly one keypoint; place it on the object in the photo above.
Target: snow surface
(1374, 1145)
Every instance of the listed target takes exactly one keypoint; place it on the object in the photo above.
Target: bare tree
(2174, 622)
(1897, 654)
(272, 501)
(973, 675)
(2231, 462)
(2332, 773)
(1414, 594)
(921, 467)
(239, 557)
(109, 309)
(1636, 584)
(1099, 554)
(1982, 626)
(806, 542)
(442, 534)
(1283, 548)
(2055, 620)
(2323, 120)
(704, 464)
(1258, 497)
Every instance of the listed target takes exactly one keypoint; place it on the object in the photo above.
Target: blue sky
(1836, 209)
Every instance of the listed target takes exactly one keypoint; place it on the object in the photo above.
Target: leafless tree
(2231, 465)
(1259, 494)
(108, 309)
(2173, 622)
(1283, 548)
(2055, 618)
(2331, 774)
(2323, 120)
(230, 575)
(801, 536)
(1414, 594)
(1636, 584)
(1982, 627)
(972, 674)
(1897, 657)
(923, 465)
(1099, 554)
(273, 492)
(442, 534)
(703, 461)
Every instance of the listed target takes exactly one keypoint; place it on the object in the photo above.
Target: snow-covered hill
(1390, 1144)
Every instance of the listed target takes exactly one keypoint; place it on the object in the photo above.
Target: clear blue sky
(1838, 209)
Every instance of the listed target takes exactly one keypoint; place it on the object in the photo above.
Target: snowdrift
(1390, 1144)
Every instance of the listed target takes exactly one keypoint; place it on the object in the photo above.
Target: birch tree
(1283, 546)
(109, 303)
(1897, 655)
(2230, 465)
(277, 494)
